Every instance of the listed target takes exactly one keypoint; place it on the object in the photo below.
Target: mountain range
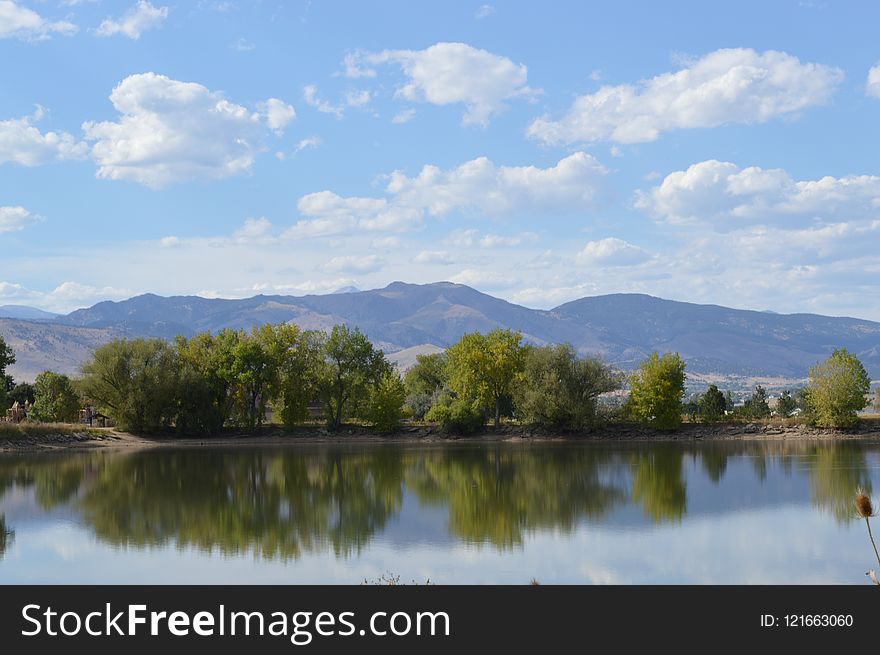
(406, 319)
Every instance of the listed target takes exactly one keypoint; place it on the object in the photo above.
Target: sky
(719, 153)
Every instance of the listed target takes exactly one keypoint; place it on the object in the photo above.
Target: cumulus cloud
(451, 73)
(724, 195)
(736, 85)
(278, 114)
(15, 219)
(22, 143)
(139, 19)
(475, 187)
(872, 87)
(171, 131)
(17, 22)
(611, 252)
(507, 240)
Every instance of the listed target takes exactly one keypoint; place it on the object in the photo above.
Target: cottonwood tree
(487, 367)
(656, 390)
(352, 367)
(55, 400)
(837, 390)
(560, 389)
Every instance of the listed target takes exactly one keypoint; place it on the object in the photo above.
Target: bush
(456, 415)
(386, 403)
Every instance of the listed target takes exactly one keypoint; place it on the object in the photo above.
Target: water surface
(741, 513)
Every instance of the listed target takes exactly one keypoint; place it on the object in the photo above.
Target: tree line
(200, 385)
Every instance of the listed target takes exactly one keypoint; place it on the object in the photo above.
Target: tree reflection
(658, 483)
(282, 503)
(6, 536)
(273, 504)
(836, 472)
(497, 494)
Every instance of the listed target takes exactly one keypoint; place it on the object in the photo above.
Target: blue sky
(706, 152)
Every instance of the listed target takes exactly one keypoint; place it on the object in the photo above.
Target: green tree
(837, 390)
(55, 399)
(424, 382)
(255, 368)
(487, 367)
(7, 358)
(756, 405)
(353, 365)
(207, 361)
(786, 404)
(656, 390)
(300, 367)
(558, 389)
(21, 393)
(712, 404)
(386, 402)
(134, 382)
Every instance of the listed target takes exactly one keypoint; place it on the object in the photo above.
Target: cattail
(863, 505)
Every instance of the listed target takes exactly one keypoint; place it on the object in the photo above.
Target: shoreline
(85, 439)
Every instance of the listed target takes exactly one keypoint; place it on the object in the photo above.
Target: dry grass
(27, 429)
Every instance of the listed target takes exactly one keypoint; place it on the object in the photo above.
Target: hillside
(623, 328)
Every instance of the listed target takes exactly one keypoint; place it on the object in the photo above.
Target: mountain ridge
(622, 328)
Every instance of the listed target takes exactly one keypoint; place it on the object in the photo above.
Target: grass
(12, 431)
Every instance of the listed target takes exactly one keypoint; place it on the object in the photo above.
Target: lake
(583, 513)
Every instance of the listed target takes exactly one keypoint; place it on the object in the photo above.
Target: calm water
(662, 513)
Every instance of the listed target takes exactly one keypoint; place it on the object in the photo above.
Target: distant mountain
(41, 346)
(623, 328)
(26, 313)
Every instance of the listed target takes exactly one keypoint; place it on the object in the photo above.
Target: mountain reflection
(283, 503)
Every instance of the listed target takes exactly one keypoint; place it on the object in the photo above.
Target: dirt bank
(75, 438)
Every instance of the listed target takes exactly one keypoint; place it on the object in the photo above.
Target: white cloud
(479, 186)
(872, 87)
(243, 45)
(484, 280)
(611, 252)
(310, 94)
(139, 19)
(353, 264)
(308, 142)
(17, 22)
(434, 257)
(507, 241)
(483, 11)
(726, 86)
(15, 219)
(358, 98)
(254, 229)
(171, 131)
(278, 114)
(354, 66)
(722, 194)
(22, 143)
(169, 242)
(475, 187)
(404, 116)
(455, 73)
(462, 238)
